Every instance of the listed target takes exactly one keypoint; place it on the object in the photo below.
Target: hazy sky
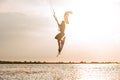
(27, 30)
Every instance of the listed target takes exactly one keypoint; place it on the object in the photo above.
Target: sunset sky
(27, 30)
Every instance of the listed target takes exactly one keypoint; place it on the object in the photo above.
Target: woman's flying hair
(66, 14)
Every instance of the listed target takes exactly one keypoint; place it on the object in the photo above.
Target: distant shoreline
(44, 62)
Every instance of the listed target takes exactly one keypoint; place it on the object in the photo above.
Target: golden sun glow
(93, 29)
(92, 26)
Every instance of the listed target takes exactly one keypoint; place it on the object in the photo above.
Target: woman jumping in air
(61, 35)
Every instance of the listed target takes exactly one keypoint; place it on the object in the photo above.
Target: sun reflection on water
(60, 71)
(95, 72)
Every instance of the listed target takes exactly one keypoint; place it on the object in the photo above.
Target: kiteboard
(62, 44)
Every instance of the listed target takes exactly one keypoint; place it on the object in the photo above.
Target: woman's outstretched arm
(56, 19)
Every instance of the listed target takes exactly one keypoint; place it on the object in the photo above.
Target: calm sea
(59, 71)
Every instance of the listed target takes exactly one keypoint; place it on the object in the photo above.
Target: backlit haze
(27, 30)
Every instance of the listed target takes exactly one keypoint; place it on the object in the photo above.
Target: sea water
(59, 71)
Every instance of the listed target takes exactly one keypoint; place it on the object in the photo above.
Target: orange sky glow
(27, 30)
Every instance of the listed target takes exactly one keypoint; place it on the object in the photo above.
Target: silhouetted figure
(61, 36)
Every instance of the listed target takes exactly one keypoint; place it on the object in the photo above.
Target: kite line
(60, 37)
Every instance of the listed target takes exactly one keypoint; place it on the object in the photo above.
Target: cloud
(30, 6)
(22, 34)
(1, 1)
(36, 7)
(27, 27)
(11, 21)
(16, 25)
